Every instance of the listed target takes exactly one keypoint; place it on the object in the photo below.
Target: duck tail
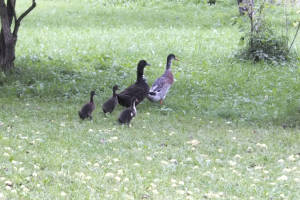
(80, 115)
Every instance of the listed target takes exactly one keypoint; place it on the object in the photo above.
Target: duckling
(129, 113)
(161, 86)
(111, 103)
(87, 109)
(138, 90)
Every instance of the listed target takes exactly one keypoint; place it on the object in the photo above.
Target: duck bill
(177, 59)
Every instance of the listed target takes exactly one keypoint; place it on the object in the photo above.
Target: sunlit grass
(228, 129)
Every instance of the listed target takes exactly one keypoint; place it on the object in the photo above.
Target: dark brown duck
(138, 90)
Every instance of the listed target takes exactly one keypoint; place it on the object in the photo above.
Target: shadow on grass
(55, 80)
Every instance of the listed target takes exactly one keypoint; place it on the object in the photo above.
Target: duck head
(170, 58)
(93, 93)
(140, 69)
(115, 88)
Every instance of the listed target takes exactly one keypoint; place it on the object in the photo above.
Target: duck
(138, 90)
(161, 86)
(129, 113)
(111, 103)
(87, 109)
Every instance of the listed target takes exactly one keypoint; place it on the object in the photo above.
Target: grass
(228, 129)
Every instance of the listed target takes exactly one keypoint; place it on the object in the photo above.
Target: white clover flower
(21, 169)
(263, 146)
(164, 162)
(7, 187)
(7, 148)
(156, 180)
(258, 167)
(188, 159)
(117, 178)
(5, 154)
(232, 163)
(173, 180)
(220, 150)
(8, 183)
(109, 175)
(148, 158)
(282, 178)
(120, 172)
(249, 149)
(193, 142)
(154, 191)
(180, 182)
(96, 165)
(88, 163)
(63, 194)
(237, 156)
(280, 161)
(286, 170)
(114, 138)
(291, 158)
(180, 192)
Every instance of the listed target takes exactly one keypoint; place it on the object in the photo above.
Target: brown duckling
(129, 113)
(87, 109)
(111, 103)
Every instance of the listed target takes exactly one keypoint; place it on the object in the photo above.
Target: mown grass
(229, 129)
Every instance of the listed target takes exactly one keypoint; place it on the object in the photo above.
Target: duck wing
(137, 90)
(159, 85)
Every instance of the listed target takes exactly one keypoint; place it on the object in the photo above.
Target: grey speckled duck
(161, 86)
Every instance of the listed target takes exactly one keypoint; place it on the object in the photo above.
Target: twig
(18, 22)
(295, 36)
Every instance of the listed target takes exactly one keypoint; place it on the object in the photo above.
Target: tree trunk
(9, 36)
(7, 52)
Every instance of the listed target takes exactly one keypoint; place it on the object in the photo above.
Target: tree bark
(9, 36)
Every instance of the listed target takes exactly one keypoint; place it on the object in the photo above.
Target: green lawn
(228, 129)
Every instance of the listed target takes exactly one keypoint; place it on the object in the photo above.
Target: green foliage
(266, 44)
(263, 39)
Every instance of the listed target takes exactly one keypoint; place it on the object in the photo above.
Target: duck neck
(114, 93)
(92, 98)
(169, 63)
(133, 106)
(140, 74)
